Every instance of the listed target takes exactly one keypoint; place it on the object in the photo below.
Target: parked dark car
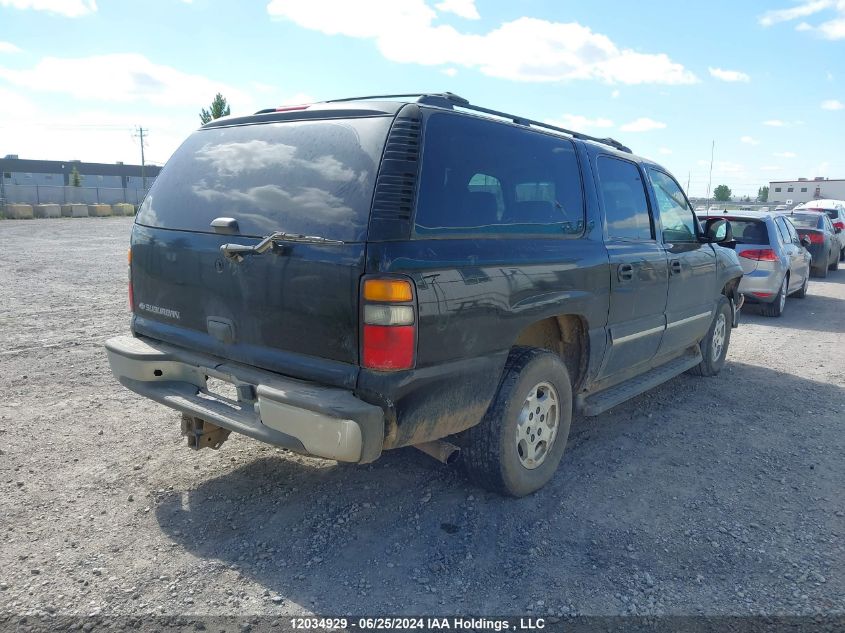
(775, 261)
(835, 210)
(374, 273)
(824, 239)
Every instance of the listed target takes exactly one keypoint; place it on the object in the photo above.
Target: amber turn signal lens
(387, 290)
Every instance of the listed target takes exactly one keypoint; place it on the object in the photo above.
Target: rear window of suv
(308, 177)
(482, 177)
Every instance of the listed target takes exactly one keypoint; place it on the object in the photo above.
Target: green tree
(75, 178)
(219, 107)
(722, 193)
(763, 194)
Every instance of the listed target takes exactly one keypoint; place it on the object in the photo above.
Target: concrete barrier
(19, 211)
(75, 210)
(48, 211)
(123, 208)
(99, 210)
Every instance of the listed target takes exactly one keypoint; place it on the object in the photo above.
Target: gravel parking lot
(705, 496)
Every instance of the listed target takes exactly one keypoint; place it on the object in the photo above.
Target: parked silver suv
(775, 261)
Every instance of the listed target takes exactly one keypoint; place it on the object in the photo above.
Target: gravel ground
(704, 496)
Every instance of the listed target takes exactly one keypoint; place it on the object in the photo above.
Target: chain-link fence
(44, 194)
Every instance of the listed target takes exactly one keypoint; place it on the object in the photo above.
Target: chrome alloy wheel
(719, 336)
(537, 426)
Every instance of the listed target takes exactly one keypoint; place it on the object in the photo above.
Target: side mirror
(805, 242)
(718, 230)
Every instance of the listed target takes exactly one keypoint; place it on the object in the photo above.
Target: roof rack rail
(451, 100)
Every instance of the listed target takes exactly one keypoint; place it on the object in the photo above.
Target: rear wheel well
(566, 336)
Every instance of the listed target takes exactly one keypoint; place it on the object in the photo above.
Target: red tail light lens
(389, 347)
(815, 238)
(389, 331)
(761, 254)
(839, 225)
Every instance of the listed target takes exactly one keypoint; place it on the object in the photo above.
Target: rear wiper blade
(237, 251)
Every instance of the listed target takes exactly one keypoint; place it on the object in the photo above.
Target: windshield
(309, 177)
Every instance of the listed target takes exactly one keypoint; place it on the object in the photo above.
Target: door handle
(625, 272)
(675, 266)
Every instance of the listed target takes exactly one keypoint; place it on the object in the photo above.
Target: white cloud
(8, 47)
(775, 123)
(643, 124)
(615, 94)
(832, 104)
(801, 11)
(749, 140)
(665, 151)
(578, 122)
(450, 72)
(66, 8)
(462, 8)
(785, 154)
(131, 77)
(833, 29)
(525, 49)
(771, 168)
(729, 75)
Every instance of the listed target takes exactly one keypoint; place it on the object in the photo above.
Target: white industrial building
(804, 190)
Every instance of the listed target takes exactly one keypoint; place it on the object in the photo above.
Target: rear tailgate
(292, 309)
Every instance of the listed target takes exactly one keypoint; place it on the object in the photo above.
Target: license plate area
(228, 392)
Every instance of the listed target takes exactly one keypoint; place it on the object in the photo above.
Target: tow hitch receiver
(202, 434)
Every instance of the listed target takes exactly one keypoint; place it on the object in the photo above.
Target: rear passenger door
(692, 266)
(794, 251)
(638, 273)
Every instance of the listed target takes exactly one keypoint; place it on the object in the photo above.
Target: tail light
(839, 225)
(760, 254)
(389, 331)
(131, 291)
(815, 238)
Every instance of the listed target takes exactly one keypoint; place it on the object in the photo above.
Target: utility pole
(139, 133)
(689, 175)
(710, 181)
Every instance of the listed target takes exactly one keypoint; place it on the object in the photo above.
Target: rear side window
(793, 234)
(309, 177)
(624, 200)
(483, 177)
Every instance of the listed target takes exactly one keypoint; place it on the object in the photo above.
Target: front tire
(714, 346)
(518, 445)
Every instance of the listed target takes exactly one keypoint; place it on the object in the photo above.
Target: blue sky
(764, 79)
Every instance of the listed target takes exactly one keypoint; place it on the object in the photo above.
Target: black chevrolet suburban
(358, 275)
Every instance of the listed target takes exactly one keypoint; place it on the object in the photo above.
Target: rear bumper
(302, 416)
(761, 285)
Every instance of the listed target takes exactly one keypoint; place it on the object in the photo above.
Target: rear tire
(507, 452)
(802, 292)
(821, 271)
(842, 255)
(775, 308)
(834, 265)
(714, 346)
